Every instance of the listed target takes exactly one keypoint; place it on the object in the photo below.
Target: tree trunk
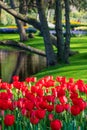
(51, 60)
(30, 21)
(22, 46)
(22, 32)
(59, 32)
(67, 36)
(23, 8)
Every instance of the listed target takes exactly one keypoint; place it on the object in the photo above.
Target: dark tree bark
(22, 31)
(67, 34)
(59, 32)
(22, 46)
(23, 7)
(51, 60)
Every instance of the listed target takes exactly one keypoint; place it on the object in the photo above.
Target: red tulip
(24, 112)
(56, 124)
(75, 110)
(29, 105)
(30, 79)
(71, 80)
(59, 78)
(15, 78)
(40, 92)
(34, 120)
(50, 98)
(43, 104)
(49, 83)
(67, 107)
(74, 95)
(40, 113)
(4, 85)
(50, 108)
(33, 89)
(60, 92)
(30, 96)
(9, 120)
(59, 108)
(63, 99)
(4, 104)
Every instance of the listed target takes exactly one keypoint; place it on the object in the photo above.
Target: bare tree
(22, 31)
(51, 60)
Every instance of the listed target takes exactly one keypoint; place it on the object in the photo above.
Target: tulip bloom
(9, 120)
(56, 124)
(15, 78)
(75, 110)
(59, 108)
(34, 120)
(40, 114)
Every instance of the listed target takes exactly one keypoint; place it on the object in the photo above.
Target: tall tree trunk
(59, 32)
(51, 59)
(23, 8)
(0, 12)
(22, 32)
(67, 36)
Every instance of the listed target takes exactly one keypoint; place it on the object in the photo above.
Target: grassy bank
(78, 63)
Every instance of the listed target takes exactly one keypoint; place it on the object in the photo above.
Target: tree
(26, 19)
(38, 25)
(51, 60)
(22, 31)
(79, 4)
(67, 33)
(59, 32)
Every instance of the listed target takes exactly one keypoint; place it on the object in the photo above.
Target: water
(19, 63)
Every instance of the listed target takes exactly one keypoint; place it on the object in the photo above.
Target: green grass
(78, 63)
(9, 37)
(36, 42)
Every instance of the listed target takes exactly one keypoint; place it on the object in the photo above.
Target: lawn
(78, 63)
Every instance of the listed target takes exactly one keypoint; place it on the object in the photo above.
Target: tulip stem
(2, 123)
(9, 127)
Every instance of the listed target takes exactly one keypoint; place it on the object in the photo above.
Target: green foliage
(9, 37)
(7, 19)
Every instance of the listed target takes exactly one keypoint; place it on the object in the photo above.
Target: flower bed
(15, 30)
(44, 104)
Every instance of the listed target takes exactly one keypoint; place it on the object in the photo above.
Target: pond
(19, 63)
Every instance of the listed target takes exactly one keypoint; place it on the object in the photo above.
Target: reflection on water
(19, 63)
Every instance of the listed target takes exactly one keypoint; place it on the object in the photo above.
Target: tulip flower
(9, 120)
